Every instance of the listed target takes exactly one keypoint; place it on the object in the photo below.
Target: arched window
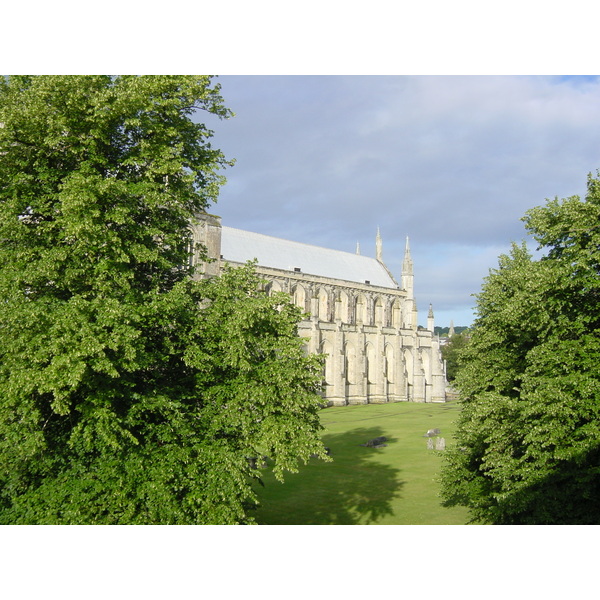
(379, 311)
(361, 310)
(299, 295)
(396, 314)
(274, 286)
(323, 305)
(343, 305)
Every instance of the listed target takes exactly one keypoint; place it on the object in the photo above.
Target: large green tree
(129, 392)
(528, 441)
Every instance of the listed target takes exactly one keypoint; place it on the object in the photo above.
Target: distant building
(360, 318)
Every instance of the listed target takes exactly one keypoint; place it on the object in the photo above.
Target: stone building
(359, 317)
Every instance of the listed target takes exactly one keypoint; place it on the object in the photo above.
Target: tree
(451, 353)
(129, 392)
(528, 438)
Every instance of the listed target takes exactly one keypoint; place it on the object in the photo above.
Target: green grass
(395, 485)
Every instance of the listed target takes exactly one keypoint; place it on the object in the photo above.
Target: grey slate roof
(238, 245)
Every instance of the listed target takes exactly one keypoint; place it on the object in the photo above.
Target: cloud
(453, 162)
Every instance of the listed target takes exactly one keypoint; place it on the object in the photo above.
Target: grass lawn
(395, 485)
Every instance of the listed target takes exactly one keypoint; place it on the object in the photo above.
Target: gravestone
(429, 444)
(432, 432)
(440, 444)
(256, 463)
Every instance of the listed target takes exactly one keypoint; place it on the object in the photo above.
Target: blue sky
(453, 162)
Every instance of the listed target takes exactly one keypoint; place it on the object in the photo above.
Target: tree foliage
(451, 353)
(528, 441)
(130, 393)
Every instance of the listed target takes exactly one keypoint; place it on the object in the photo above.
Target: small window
(297, 269)
(367, 281)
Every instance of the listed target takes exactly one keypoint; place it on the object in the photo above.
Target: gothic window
(300, 297)
(396, 314)
(388, 312)
(343, 306)
(362, 310)
(274, 286)
(368, 315)
(379, 311)
(323, 305)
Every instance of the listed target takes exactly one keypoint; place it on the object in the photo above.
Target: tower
(430, 319)
(206, 232)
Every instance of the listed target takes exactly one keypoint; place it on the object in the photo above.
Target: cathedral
(360, 318)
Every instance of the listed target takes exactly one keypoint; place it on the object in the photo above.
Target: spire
(430, 319)
(407, 271)
(407, 265)
(357, 247)
(378, 247)
(451, 330)
(430, 315)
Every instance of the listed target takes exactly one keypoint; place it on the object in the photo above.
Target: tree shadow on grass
(357, 487)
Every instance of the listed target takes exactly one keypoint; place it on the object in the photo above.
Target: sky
(451, 162)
